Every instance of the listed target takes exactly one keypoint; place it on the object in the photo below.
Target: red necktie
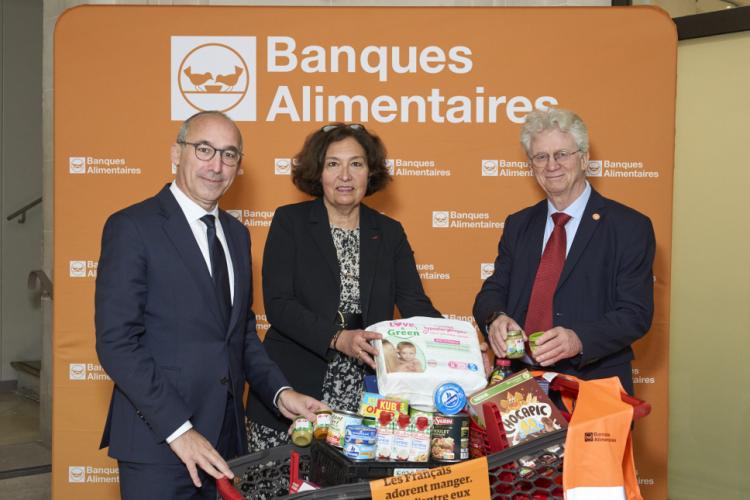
(539, 314)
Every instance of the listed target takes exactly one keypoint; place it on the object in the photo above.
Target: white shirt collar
(191, 209)
(575, 209)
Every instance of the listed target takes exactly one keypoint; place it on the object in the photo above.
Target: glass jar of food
(514, 344)
(322, 421)
(302, 431)
(532, 341)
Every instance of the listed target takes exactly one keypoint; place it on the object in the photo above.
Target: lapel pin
(596, 216)
(375, 237)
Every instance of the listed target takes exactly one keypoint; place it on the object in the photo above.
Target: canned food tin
(340, 420)
(450, 398)
(360, 434)
(369, 422)
(422, 411)
(360, 451)
(450, 438)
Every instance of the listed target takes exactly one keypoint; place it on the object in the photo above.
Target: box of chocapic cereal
(525, 410)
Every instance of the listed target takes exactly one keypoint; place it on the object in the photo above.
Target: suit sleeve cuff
(179, 432)
(278, 393)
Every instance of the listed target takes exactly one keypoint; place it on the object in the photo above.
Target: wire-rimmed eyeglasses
(540, 160)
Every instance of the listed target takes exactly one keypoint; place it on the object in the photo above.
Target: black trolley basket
(528, 471)
(257, 472)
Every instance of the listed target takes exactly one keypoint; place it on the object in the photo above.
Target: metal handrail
(38, 280)
(21, 212)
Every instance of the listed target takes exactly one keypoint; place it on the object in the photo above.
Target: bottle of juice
(401, 438)
(385, 435)
(501, 371)
(420, 440)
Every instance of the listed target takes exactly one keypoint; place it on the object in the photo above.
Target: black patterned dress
(342, 384)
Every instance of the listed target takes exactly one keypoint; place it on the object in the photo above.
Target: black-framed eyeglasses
(563, 156)
(206, 152)
(353, 126)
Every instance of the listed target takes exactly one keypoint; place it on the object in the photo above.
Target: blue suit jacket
(160, 336)
(606, 289)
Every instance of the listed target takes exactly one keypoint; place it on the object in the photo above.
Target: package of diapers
(416, 355)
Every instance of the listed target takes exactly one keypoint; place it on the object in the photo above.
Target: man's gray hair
(561, 119)
(185, 127)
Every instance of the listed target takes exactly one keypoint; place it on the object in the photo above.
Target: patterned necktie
(219, 271)
(539, 314)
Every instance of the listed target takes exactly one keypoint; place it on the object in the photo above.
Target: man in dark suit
(576, 266)
(175, 329)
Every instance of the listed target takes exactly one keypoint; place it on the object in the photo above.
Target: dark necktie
(219, 271)
(539, 314)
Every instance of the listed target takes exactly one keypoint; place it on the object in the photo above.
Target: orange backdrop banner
(446, 89)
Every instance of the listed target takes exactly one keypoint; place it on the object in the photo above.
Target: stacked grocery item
(421, 414)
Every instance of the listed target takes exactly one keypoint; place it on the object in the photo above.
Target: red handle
(563, 384)
(227, 491)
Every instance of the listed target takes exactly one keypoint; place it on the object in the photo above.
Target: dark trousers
(143, 481)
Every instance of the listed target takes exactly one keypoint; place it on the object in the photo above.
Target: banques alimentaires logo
(82, 268)
(210, 72)
(464, 220)
(81, 165)
(252, 218)
(87, 371)
(93, 474)
(216, 72)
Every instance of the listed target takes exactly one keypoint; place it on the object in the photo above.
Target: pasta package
(416, 355)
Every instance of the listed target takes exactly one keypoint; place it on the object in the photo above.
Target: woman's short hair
(561, 119)
(307, 167)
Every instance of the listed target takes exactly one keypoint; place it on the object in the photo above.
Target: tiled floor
(19, 419)
(35, 487)
(22, 456)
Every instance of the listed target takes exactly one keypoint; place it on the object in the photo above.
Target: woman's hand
(356, 344)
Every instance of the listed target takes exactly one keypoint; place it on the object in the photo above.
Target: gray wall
(20, 180)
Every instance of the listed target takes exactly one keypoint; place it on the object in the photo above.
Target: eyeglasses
(540, 160)
(205, 152)
(353, 126)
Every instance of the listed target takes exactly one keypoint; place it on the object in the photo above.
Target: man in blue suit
(576, 266)
(175, 329)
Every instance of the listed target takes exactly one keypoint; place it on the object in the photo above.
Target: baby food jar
(514, 345)
(302, 432)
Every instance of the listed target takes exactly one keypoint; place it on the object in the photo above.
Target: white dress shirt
(193, 213)
(575, 210)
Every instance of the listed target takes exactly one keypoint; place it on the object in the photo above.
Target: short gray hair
(561, 119)
(185, 127)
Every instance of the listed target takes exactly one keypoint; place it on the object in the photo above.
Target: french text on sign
(461, 480)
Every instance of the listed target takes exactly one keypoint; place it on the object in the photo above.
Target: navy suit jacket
(605, 292)
(160, 334)
(301, 290)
